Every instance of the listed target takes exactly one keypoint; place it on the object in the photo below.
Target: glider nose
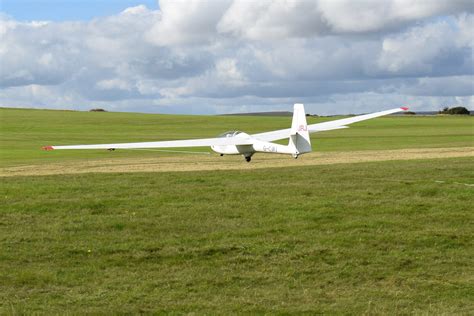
(404, 108)
(47, 148)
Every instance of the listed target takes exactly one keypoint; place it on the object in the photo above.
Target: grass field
(389, 237)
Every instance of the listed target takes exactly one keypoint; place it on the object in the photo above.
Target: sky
(68, 10)
(234, 56)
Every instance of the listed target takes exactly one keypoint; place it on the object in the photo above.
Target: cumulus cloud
(187, 22)
(348, 16)
(206, 20)
(213, 56)
(439, 48)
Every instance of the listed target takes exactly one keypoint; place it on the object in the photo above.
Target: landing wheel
(295, 156)
(248, 159)
(222, 155)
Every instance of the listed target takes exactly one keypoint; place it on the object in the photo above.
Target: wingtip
(404, 108)
(47, 147)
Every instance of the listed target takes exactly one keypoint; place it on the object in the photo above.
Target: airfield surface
(377, 220)
(186, 162)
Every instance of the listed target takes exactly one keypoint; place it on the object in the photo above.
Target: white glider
(240, 143)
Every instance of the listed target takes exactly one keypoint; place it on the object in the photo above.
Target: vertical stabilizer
(299, 135)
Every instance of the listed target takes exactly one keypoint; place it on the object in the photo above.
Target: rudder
(299, 135)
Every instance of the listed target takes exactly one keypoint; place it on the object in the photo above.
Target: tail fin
(299, 135)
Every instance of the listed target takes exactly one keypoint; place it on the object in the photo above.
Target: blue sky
(67, 10)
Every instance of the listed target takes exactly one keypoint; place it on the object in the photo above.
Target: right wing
(219, 141)
(325, 126)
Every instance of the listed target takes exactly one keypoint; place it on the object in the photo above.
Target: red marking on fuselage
(302, 128)
(404, 108)
(47, 148)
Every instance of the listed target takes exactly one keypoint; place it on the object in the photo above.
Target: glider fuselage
(255, 146)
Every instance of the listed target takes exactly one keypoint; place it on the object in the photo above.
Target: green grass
(378, 238)
(341, 239)
(24, 132)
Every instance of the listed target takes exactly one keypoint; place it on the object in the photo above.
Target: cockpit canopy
(229, 134)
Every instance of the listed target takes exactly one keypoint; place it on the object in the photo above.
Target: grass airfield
(349, 236)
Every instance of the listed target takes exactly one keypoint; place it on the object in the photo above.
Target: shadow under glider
(240, 143)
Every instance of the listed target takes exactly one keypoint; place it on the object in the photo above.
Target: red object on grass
(47, 148)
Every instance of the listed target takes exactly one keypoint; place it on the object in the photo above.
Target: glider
(240, 143)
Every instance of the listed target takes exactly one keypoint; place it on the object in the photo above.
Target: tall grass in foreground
(388, 237)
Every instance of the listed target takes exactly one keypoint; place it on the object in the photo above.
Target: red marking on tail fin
(404, 108)
(47, 148)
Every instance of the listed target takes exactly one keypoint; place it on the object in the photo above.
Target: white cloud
(137, 10)
(186, 22)
(437, 48)
(272, 20)
(227, 71)
(347, 16)
(113, 84)
(238, 55)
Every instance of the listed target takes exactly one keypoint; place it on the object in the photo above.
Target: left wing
(164, 144)
(325, 126)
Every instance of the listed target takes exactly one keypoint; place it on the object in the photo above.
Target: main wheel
(248, 159)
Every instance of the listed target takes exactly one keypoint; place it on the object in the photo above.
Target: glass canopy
(229, 134)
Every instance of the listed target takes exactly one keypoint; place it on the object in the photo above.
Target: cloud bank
(221, 56)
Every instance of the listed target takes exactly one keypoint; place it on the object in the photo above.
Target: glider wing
(164, 144)
(325, 126)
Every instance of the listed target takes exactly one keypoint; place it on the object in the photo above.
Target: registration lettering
(269, 148)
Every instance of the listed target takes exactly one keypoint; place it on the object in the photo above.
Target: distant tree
(458, 110)
(409, 113)
(97, 110)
